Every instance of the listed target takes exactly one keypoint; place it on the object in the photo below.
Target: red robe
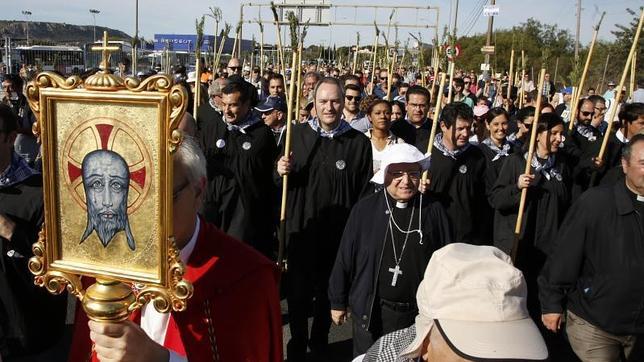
(235, 295)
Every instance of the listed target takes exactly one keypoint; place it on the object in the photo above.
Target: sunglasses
(234, 68)
(383, 78)
(586, 114)
(414, 175)
(350, 98)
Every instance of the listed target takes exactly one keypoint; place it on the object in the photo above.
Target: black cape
(327, 178)
(459, 185)
(240, 169)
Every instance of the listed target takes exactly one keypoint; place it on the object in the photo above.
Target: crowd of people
(401, 233)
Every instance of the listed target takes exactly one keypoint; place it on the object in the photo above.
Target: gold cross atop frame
(106, 50)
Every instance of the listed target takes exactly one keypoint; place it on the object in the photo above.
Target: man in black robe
(416, 127)
(458, 174)
(329, 168)
(631, 118)
(31, 319)
(240, 151)
(582, 145)
(377, 277)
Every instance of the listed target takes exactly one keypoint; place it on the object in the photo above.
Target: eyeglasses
(234, 68)
(350, 98)
(414, 175)
(383, 78)
(586, 114)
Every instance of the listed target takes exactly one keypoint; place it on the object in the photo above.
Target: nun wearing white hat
(386, 245)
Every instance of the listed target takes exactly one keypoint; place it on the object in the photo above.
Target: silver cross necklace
(397, 271)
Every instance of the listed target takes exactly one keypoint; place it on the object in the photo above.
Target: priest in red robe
(234, 314)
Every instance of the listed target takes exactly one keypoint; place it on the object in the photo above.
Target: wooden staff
(510, 80)
(528, 165)
(237, 34)
(199, 28)
(521, 94)
(280, 50)
(432, 134)
(600, 86)
(373, 63)
(390, 72)
(224, 37)
(618, 94)
(299, 79)
(281, 261)
(261, 49)
(554, 79)
(355, 55)
(573, 109)
(451, 82)
(633, 72)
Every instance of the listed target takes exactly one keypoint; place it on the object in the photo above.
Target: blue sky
(164, 16)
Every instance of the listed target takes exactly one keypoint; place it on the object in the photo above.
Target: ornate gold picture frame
(107, 147)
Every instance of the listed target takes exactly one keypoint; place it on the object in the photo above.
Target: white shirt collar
(190, 246)
(620, 136)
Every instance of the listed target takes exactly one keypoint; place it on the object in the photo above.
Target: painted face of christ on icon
(106, 180)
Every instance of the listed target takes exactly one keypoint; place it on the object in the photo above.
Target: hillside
(45, 32)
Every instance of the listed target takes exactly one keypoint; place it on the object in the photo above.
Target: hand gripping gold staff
(528, 163)
(432, 133)
(281, 260)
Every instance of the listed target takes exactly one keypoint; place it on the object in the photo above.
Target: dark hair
(373, 104)
(548, 121)
(417, 90)
(452, 111)
(246, 90)
(403, 85)
(8, 120)
(630, 112)
(352, 87)
(495, 112)
(547, 105)
(15, 80)
(402, 107)
(582, 101)
(524, 113)
(596, 99)
(459, 82)
(345, 77)
(275, 76)
(628, 148)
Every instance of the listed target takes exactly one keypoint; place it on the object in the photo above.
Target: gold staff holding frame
(531, 148)
(123, 130)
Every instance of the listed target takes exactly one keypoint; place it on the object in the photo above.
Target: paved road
(339, 339)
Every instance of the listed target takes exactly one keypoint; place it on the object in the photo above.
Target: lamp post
(27, 14)
(94, 12)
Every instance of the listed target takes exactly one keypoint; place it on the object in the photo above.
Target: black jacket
(354, 278)
(598, 262)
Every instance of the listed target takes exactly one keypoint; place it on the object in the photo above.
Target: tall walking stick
(510, 74)
(573, 110)
(528, 164)
(373, 63)
(280, 49)
(199, 28)
(618, 94)
(437, 113)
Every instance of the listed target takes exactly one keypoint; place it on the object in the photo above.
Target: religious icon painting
(107, 146)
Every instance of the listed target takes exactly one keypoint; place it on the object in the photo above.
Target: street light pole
(94, 12)
(27, 14)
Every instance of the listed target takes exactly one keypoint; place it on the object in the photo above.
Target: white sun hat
(477, 300)
(399, 153)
